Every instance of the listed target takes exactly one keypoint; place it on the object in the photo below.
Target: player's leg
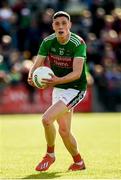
(50, 134)
(54, 112)
(69, 140)
(64, 123)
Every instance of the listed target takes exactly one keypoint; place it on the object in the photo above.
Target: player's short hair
(60, 14)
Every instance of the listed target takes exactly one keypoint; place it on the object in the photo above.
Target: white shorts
(71, 97)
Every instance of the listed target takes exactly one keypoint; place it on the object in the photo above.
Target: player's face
(61, 26)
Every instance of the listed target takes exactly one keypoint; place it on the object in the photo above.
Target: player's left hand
(54, 80)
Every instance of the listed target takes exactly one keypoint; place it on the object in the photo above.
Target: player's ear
(70, 25)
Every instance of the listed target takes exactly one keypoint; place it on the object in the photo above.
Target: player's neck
(65, 39)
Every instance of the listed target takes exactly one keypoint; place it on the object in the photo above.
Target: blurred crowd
(24, 23)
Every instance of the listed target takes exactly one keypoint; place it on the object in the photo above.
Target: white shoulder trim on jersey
(80, 57)
(75, 40)
(76, 43)
(52, 36)
(80, 38)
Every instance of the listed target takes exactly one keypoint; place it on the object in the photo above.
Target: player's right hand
(30, 82)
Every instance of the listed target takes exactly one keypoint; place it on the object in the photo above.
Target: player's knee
(64, 132)
(46, 121)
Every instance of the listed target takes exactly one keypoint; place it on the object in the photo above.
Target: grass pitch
(23, 145)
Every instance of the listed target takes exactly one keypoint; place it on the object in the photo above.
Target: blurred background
(24, 24)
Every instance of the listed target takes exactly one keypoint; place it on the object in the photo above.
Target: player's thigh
(64, 121)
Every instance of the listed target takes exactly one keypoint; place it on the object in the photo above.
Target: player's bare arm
(39, 61)
(74, 75)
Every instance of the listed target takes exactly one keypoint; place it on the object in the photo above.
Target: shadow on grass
(44, 175)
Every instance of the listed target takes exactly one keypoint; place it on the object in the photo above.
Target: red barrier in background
(16, 100)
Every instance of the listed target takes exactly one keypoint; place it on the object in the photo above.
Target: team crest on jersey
(61, 51)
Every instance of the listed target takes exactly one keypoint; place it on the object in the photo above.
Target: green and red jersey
(61, 58)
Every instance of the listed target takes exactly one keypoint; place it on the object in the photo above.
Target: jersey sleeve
(43, 50)
(80, 51)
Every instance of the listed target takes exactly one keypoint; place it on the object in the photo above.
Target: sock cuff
(50, 149)
(77, 158)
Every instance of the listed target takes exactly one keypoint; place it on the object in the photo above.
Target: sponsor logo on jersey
(63, 62)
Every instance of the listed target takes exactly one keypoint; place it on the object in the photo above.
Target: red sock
(50, 149)
(77, 158)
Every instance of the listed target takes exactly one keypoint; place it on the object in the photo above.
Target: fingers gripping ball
(41, 73)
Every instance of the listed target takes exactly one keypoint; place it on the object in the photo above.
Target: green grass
(23, 144)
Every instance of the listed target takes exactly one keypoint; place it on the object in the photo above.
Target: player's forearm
(75, 74)
(31, 71)
(69, 77)
(35, 65)
(38, 62)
